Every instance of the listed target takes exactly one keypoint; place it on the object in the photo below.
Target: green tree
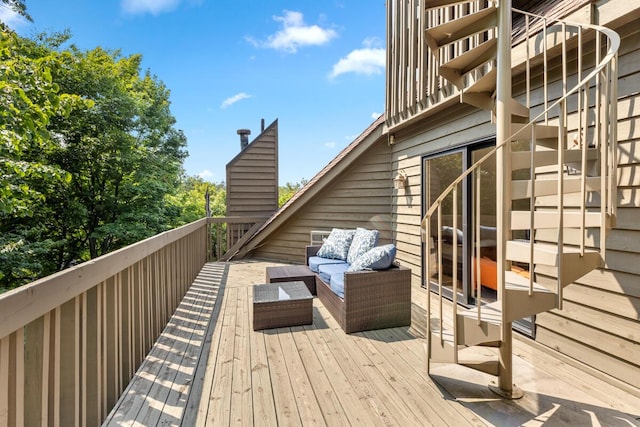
(30, 99)
(88, 154)
(189, 200)
(123, 154)
(18, 6)
(288, 190)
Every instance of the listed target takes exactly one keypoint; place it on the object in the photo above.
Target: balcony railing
(414, 85)
(71, 342)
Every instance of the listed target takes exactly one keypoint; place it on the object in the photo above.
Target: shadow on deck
(210, 368)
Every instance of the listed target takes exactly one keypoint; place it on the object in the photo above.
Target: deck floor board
(318, 375)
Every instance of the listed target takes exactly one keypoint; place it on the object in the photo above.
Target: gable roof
(340, 163)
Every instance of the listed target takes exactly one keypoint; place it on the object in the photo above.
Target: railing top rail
(22, 305)
(614, 45)
(237, 219)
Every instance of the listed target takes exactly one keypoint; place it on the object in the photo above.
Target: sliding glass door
(474, 227)
(466, 257)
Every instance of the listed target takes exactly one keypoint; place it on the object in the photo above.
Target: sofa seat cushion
(337, 244)
(362, 242)
(315, 262)
(333, 275)
(378, 258)
(325, 271)
(337, 284)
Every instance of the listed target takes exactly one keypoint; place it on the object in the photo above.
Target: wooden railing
(229, 233)
(71, 342)
(414, 85)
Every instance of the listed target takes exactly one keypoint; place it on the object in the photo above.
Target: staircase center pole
(503, 191)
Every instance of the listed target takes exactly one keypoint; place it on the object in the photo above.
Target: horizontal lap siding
(599, 324)
(452, 128)
(252, 177)
(359, 197)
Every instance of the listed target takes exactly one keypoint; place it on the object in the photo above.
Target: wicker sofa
(372, 299)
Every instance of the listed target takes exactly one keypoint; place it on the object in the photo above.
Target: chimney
(244, 138)
(261, 125)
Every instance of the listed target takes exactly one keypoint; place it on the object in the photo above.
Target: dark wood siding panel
(252, 177)
(359, 197)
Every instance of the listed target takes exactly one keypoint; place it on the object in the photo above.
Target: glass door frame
(465, 298)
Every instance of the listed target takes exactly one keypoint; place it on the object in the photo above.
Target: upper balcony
(159, 333)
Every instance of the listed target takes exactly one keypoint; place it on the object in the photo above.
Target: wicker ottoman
(292, 273)
(277, 305)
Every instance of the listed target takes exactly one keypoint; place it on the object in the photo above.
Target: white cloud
(295, 34)
(375, 115)
(233, 99)
(154, 7)
(206, 174)
(330, 144)
(365, 61)
(11, 18)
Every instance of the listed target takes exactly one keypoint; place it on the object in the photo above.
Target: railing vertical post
(4, 379)
(440, 313)
(532, 206)
(613, 135)
(503, 183)
(454, 264)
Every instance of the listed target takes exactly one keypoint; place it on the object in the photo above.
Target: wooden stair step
(520, 220)
(480, 359)
(455, 70)
(522, 159)
(521, 189)
(457, 29)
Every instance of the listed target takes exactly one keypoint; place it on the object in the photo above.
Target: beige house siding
(252, 177)
(359, 197)
(600, 321)
(447, 130)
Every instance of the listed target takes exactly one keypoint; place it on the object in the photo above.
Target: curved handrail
(614, 45)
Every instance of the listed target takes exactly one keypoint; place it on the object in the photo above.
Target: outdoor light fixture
(400, 180)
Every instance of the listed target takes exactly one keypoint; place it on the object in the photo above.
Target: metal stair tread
(522, 159)
(516, 282)
(485, 84)
(490, 313)
(462, 27)
(454, 70)
(521, 189)
(544, 253)
(521, 131)
(520, 220)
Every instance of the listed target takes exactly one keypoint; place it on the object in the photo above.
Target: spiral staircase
(556, 169)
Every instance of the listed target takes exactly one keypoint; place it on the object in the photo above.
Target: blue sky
(317, 66)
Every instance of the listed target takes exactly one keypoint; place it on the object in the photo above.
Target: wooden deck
(317, 374)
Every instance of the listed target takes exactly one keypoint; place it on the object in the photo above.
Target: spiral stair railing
(594, 124)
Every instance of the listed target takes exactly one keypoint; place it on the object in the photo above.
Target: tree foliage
(88, 155)
(189, 200)
(18, 6)
(288, 190)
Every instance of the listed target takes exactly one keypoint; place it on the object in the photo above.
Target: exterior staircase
(556, 168)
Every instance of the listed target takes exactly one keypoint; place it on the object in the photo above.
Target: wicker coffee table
(277, 305)
(292, 273)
